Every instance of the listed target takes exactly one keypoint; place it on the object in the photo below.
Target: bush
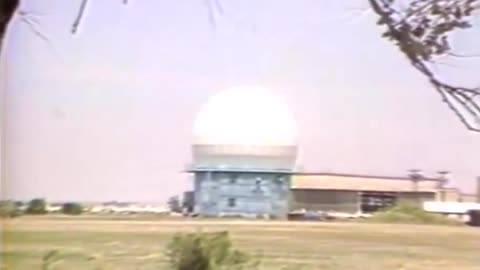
(9, 209)
(411, 214)
(37, 207)
(72, 209)
(206, 251)
(174, 204)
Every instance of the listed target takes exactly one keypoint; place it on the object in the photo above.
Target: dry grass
(135, 244)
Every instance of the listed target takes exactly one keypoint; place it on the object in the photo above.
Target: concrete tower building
(243, 154)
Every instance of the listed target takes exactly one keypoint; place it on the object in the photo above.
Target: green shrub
(9, 209)
(37, 207)
(72, 209)
(174, 204)
(206, 251)
(411, 214)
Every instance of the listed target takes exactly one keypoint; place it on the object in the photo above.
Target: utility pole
(478, 189)
(443, 177)
(442, 181)
(416, 176)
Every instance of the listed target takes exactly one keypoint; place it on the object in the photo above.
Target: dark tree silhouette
(7, 8)
(174, 204)
(72, 208)
(37, 207)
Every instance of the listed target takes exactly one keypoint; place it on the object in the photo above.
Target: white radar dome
(246, 116)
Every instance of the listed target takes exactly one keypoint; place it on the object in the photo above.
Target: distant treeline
(38, 206)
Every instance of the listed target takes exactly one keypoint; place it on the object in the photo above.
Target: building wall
(244, 156)
(346, 201)
(448, 195)
(417, 198)
(471, 198)
(219, 193)
(325, 200)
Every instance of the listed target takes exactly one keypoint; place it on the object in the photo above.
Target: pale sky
(107, 114)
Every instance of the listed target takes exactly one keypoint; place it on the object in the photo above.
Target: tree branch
(421, 33)
(81, 13)
(79, 17)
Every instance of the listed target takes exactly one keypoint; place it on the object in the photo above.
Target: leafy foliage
(206, 251)
(411, 214)
(421, 31)
(72, 208)
(37, 207)
(174, 204)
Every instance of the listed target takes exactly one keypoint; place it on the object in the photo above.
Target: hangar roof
(333, 181)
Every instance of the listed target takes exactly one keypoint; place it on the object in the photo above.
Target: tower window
(258, 183)
(233, 178)
(232, 202)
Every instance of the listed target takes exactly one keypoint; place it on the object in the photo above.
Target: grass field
(135, 244)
